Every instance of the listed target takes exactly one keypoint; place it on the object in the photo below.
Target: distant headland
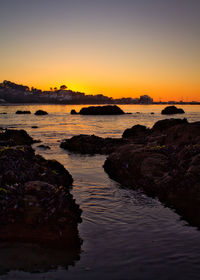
(15, 93)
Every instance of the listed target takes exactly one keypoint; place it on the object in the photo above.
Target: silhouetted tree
(63, 87)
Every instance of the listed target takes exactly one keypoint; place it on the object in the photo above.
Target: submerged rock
(35, 200)
(44, 147)
(102, 110)
(170, 110)
(40, 113)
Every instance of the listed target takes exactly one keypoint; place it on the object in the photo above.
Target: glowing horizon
(116, 48)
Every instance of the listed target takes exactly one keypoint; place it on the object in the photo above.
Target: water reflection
(126, 234)
(34, 258)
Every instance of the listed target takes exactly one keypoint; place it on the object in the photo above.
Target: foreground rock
(170, 171)
(136, 133)
(35, 201)
(100, 110)
(163, 132)
(41, 113)
(91, 144)
(170, 110)
(10, 137)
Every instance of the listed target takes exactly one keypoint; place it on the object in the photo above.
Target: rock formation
(35, 201)
(166, 165)
(100, 110)
(91, 144)
(19, 112)
(170, 110)
(41, 113)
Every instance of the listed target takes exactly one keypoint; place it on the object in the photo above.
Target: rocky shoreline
(163, 162)
(35, 200)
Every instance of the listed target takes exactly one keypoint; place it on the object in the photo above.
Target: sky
(119, 48)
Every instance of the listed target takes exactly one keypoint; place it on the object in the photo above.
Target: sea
(126, 234)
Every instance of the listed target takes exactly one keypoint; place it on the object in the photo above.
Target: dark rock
(163, 125)
(170, 171)
(137, 132)
(22, 112)
(40, 113)
(101, 110)
(30, 167)
(91, 144)
(35, 198)
(138, 167)
(4, 113)
(183, 134)
(152, 113)
(34, 126)
(11, 137)
(170, 110)
(32, 212)
(44, 147)
(73, 112)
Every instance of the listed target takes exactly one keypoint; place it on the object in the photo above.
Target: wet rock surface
(166, 164)
(35, 200)
(91, 144)
(170, 110)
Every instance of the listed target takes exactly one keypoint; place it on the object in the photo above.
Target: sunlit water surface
(126, 235)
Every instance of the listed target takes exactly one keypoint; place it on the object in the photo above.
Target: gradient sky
(114, 47)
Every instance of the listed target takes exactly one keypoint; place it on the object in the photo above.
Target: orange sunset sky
(116, 48)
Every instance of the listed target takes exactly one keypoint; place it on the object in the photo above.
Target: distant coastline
(12, 93)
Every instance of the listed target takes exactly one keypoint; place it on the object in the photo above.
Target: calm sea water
(126, 235)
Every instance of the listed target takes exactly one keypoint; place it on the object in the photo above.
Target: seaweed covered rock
(35, 199)
(139, 167)
(169, 171)
(102, 110)
(171, 110)
(19, 164)
(11, 137)
(91, 144)
(38, 212)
